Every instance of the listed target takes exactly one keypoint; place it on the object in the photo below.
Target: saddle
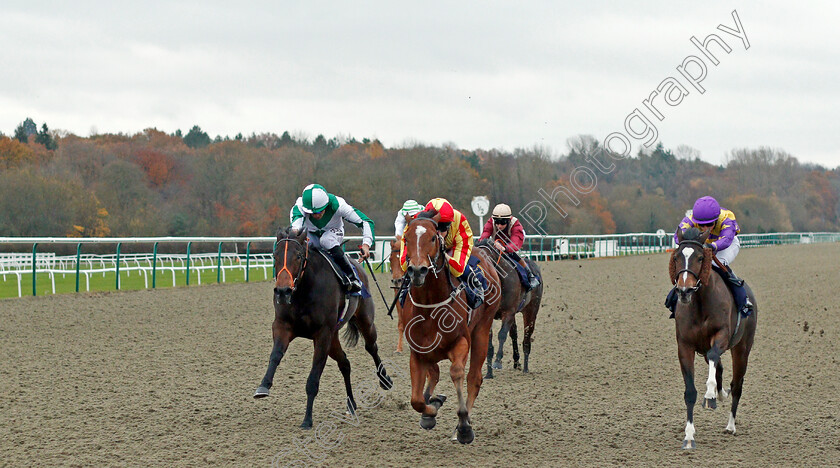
(364, 293)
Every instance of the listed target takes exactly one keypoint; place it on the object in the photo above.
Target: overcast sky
(475, 74)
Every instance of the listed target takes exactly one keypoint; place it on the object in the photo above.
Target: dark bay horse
(440, 325)
(708, 323)
(309, 303)
(514, 299)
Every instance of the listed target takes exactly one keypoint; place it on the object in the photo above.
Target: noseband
(304, 257)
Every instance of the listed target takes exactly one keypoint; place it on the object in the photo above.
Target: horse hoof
(428, 422)
(261, 392)
(306, 424)
(525, 369)
(386, 383)
(465, 434)
(710, 403)
(688, 445)
(516, 365)
(725, 392)
(437, 401)
(489, 375)
(497, 365)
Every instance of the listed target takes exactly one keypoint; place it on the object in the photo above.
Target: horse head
(691, 263)
(290, 255)
(394, 262)
(423, 247)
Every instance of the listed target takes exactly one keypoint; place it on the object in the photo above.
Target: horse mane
(427, 214)
(691, 234)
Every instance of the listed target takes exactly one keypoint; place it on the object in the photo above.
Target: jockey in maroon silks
(707, 215)
(507, 235)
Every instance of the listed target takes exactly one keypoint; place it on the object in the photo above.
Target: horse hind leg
(364, 322)
(433, 377)
(529, 319)
(503, 333)
(740, 357)
(340, 357)
(322, 345)
(513, 341)
(490, 355)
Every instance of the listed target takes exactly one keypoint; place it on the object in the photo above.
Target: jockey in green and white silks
(323, 214)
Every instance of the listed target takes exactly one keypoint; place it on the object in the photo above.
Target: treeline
(158, 184)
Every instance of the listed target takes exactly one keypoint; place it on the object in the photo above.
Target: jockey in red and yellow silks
(458, 241)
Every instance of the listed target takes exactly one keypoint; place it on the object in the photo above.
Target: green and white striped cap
(315, 199)
(411, 207)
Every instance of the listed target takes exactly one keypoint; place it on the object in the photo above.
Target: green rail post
(119, 246)
(78, 259)
(34, 256)
(219, 265)
(189, 246)
(154, 266)
(273, 269)
(248, 261)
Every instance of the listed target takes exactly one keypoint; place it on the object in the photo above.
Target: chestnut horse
(397, 276)
(309, 303)
(514, 299)
(439, 325)
(708, 323)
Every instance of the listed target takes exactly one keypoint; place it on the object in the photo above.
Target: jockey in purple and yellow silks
(707, 215)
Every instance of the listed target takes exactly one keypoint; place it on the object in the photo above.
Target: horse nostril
(424, 270)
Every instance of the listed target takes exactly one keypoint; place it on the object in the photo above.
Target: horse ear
(679, 235)
(436, 217)
(408, 219)
(705, 235)
(300, 235)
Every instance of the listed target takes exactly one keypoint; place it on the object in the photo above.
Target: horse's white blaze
(711, 383)
(731, 426)
(689, 431)
(687, 253)
(419, 231)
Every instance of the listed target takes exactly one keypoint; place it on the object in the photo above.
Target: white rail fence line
(543, 248)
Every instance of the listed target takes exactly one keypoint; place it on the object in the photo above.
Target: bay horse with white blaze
(708, 323)
(309, 302)
(515, 299)
(440, 325)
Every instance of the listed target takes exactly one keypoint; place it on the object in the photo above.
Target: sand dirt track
(165, 378)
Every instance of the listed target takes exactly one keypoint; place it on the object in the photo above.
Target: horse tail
(351, 333)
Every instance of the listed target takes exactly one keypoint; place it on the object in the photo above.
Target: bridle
(699, 283)
(302, 256)
(439, 250)
(436, 269)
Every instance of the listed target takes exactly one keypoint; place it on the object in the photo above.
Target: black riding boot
(671, 301)
(475, 286)
(349, 281)
(742, 301)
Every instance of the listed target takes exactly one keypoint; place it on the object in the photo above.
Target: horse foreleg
(281, 343)
(338, 354)
(458, 355)
(419, 369)
(433, 377)
(686, 356)
(319, 360)
(719, 344)
(513, 341)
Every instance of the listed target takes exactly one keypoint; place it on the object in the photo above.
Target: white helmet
(501, 211)
(315, 199)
